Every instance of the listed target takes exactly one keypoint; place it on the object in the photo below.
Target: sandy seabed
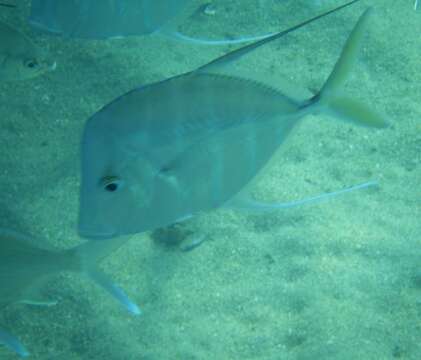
(335, 280)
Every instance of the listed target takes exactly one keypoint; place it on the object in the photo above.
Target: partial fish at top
(189, 144)
(25, 267)
(20, 57)
(93, 19)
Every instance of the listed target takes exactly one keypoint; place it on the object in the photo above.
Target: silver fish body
(166, 151)
(172, 139)
(94, 19)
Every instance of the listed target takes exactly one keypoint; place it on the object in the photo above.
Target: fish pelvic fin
(345, 108)
(13, 344)
(85, 258)
(114, 290)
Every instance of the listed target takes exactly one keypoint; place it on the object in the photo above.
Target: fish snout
(93, 226)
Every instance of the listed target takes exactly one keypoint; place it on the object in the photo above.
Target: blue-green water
(337, 280)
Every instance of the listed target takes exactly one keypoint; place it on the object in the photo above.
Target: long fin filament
(256, 206)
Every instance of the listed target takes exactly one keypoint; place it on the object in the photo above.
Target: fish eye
(31, 64)
(111, 183)
(111, 187)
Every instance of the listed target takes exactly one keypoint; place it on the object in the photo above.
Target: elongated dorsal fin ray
(238, 53)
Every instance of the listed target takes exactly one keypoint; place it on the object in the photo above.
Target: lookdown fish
(25, 267)
(164, 152)
(20, 58)
(93, 19)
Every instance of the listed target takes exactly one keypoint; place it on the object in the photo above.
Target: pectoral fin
(115, 291)
(89, 254)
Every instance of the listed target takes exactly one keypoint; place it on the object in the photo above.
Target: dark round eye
(111, 187)
(111, 183)
(31, 64)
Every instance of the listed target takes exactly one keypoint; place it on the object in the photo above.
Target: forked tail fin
(329, 98)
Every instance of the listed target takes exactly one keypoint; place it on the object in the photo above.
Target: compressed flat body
(95, 19)
(178, 147)
(162, 153)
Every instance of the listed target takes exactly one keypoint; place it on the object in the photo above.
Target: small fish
(192, 143)
(20, 58)
(92, 19)
(24, 268)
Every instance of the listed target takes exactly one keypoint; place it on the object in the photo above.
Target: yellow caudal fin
(329, 96)
(356, 112)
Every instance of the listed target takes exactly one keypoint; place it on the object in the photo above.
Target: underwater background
(336, 280)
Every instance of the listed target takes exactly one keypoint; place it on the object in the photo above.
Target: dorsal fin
(238, 53)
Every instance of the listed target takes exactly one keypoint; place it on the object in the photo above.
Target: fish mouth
(90, 229)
